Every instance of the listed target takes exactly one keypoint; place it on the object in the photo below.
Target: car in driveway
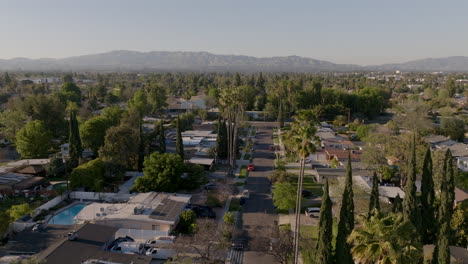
(160, 253)
(246, 194)
(312, 212)
(251, 167)
(201, 211)
(209, 186)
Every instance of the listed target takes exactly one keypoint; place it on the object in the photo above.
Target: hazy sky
(347, 31)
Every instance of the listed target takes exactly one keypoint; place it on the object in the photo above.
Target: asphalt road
(258, 213)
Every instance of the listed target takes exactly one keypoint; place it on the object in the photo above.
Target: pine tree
(162, 138)
(74, 148)
(397, 204)
(141, 145)
(374, 204)
(346, 224)
(221, 140)
(324, 247)
(411, 210)
(447, 195)
(179, 142)
(427, 200)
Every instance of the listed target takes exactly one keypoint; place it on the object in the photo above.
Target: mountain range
(124, 60)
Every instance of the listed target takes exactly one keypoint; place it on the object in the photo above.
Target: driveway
(258, 211)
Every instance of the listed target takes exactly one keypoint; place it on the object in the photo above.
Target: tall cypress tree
(397, 204)
(280, 114)
(411, 210)
(346, 224)
(324, 247)
(447, 195)
(75, 149)
(179, 142)
(162, 138)
(427, 200)
(374, 204)
(221, 140)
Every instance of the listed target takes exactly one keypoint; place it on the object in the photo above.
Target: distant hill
(448, 64)
(124, 60)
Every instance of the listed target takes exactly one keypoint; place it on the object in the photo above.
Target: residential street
(258, 212)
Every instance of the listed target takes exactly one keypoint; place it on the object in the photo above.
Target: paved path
(258, 212)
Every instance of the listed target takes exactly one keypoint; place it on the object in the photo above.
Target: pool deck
(49, 216)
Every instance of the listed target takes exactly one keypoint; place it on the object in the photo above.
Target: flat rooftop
(90, 243)
(141, 207)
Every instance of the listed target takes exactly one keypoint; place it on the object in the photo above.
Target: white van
(129, 248)
(160, 253)
(160, 240)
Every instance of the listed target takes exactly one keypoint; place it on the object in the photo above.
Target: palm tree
(386, 240)
(302, 142)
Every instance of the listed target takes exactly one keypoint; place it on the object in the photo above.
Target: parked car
(306, 193)
(246, 194)
(160, 253)
(129, 248)
(251, 167)
(203, 211)
(242, 201)
(160, 240)
(312, 212)
(272, 147)
(209, 186)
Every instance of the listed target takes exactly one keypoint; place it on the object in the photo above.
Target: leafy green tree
(162, 138)
(17, 211)
(93, 132)
(228, 218)
(113, 114)
(427, 200)
(411, 210)
(89, 175)
(459, 224)
(157, 98)
(28, 261)
(374, 203)
(453, 128)
(386, 239)
(346, 224)
(179, 141)
(451, 87)
(162, 173)
(121, 146)
(70, 92)
(140, 103)
(11, 121)
(75, 148)
(397, 205)
(324, 247)
(280, 115)
(441, 253)
(56, 167)
(284, 195)
(33, 140)
(187, 222)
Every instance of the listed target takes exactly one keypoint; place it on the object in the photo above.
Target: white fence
(139, 234)
(95, 196)
(48, 205)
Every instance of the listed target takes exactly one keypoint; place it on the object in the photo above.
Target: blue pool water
(66, 217)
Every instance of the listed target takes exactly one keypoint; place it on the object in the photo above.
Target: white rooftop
(391, 191)
(152, 206)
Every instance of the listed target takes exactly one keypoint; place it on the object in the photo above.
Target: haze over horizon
(361, 32)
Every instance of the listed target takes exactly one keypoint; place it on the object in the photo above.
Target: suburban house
(158, 212)
(15, 183)
(462, 163)
(180, 105)
(90, 243)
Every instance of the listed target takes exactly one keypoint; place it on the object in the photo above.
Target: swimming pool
(66, 217)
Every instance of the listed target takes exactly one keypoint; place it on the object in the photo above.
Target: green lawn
(310, 184)
(309, 236)
(243, 172)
